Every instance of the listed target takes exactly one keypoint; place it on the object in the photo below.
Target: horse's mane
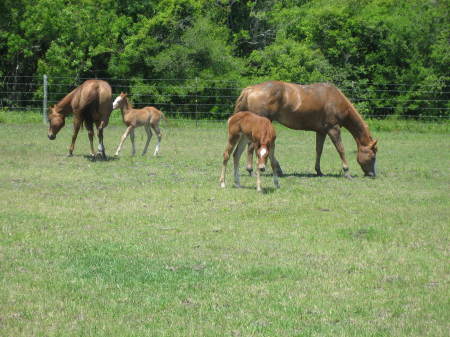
(354, 121)
(66, 100)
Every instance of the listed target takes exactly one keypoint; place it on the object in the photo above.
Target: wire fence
(214, 99)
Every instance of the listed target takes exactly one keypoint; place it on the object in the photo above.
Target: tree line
(391, 54)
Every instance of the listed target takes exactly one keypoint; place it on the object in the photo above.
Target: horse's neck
(126, 108)
(64, 105)
(357, 127)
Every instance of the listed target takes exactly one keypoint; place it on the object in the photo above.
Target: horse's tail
(241, 102)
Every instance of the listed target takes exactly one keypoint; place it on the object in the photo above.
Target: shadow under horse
(319, 107)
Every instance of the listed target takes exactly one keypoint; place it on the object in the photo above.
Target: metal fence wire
(214, 99)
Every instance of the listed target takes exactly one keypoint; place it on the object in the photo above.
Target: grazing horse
(244, 127)
(148, 117)
(90, 103)
(319, 107)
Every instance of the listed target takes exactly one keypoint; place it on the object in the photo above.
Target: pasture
(145, 246)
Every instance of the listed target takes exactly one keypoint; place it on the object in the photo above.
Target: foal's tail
(241, 102)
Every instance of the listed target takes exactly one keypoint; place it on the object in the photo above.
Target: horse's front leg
(335, 136)
(275, 166)
(320, 140)
(122, 139)
(76, 128)
(250, 150)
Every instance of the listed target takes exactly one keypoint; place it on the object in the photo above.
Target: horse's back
(301, 107)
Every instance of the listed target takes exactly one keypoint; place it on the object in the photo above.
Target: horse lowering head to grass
(90, 104)
(245, 127)
(319, 107)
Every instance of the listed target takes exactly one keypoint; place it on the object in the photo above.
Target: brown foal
(245, 127)
(149, 117)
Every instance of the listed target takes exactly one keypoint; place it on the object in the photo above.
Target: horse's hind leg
(76, 128)
(90, 130)
(159, 136)
(335, 136)
(101, 146)
(133, 145)
(149, 137)
(236, 157)
(320, 139)
(226, 156)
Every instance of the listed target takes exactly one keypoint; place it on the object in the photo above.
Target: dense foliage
(393, 54)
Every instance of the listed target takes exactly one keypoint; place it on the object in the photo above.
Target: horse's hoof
(348, 176)
(250, 171)
(70, 155)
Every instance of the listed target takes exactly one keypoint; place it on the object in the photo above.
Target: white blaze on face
(262, 152)
(116, 102)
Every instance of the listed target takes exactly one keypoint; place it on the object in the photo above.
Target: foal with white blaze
(245, 127)
(148, 117)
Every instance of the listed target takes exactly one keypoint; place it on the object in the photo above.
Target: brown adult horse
(90, 103)
(319, 107)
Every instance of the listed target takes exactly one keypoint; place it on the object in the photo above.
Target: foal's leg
(149, 137)
(133, 146)
(275, 166)
(258, 179)
(320, 139)
(250, 150)
(159, 136)
(236, 156)
(335, 135)
(122, 139)
(76, 127)
(226, 155)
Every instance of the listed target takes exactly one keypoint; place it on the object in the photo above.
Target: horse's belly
(300, 121)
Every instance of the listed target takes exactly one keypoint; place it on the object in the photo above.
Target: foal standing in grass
(148, 117)
(245, 127)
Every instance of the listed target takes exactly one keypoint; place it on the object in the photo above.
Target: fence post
(196, 100)
(45, 100)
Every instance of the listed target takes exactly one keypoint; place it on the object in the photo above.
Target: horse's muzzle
(51, 137)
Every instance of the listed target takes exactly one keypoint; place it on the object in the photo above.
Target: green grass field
(145, 246)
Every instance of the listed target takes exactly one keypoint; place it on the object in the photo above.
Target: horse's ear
(373, 144)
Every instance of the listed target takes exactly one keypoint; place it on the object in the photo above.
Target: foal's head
(120, 100)
(262, 153)
(56, 121)
(366, 158)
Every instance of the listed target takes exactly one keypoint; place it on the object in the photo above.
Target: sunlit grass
(145, 246)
